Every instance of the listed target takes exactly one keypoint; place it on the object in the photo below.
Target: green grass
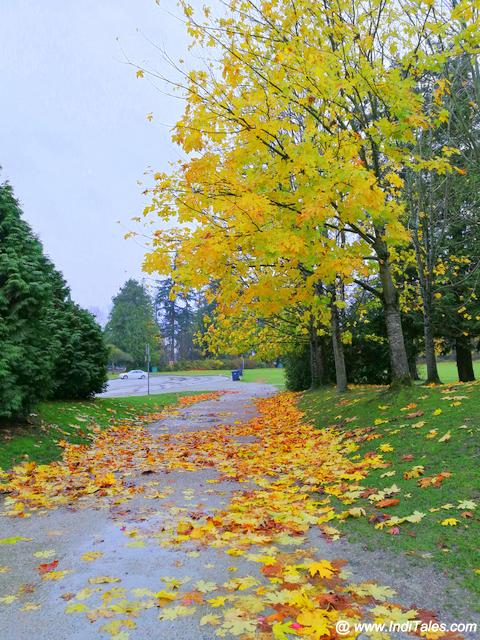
(196, 372)
(73, 422)
(264, 376)
(448, 371)
(454, 548)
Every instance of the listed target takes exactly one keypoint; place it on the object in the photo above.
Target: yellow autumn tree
(296, 133)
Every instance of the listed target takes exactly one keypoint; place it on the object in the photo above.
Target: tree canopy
(300, 132)
(131, 324)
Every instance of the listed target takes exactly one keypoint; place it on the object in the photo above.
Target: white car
(135, 374)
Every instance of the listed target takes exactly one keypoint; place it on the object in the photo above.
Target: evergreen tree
(177, 319)
(49, 346)
(27, 348)
(443, 214)
(166, 313)
(131, 325)
(80, 362)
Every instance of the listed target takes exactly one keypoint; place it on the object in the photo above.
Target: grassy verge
(448, 371)
(72, 421)
(422, 433)
(265, 376)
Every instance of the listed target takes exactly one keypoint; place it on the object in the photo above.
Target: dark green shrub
(297, 369)
(80, 368)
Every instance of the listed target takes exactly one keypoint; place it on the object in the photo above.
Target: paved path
(164, 384)
(107, 525)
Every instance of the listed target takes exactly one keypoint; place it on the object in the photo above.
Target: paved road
(164, 384)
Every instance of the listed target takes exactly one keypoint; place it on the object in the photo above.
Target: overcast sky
(74, 138)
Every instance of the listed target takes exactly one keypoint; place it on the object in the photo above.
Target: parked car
(134, 374)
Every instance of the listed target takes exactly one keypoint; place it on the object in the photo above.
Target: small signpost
(147, 358)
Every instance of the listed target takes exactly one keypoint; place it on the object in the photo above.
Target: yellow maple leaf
(30, 606)
(175, 612)
(205, 587)
(393, 613)
(56, 575)
(418, 425)
(449, 522)
(355, 512)
(135, 544)
(386, 447)
(322, 568)
(378, 592)
(236, 622)
(89, 556)
(209, 618)
(106, 480)
(164, 597)
(103, 580)
(14, 540)
(394, 179)
(317, 623)
(219, 601)
(48, 553)
(115, 626)
(415, 472)
(76, 607)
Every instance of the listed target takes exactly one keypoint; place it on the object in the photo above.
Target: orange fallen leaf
(49, 566)
(388, 502)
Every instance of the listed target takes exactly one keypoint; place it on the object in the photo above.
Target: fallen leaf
(14, 540)
(103, 580)
(89, 556)
(449, 522)
(44, 568)
(388, 502)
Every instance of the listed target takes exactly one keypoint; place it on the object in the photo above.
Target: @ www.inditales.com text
(346, 627)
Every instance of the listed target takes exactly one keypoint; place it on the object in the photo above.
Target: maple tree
(297, 135)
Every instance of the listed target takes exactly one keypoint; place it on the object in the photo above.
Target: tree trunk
(426, 293)
(317, 365)
(412, 363)
(464, 359)
(430, 357)
(172, 335)
(338, 355)
(396, 343)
